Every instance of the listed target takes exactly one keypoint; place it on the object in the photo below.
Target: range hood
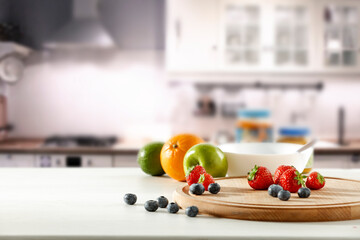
(84, 29)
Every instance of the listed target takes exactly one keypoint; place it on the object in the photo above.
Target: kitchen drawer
(17, 160)
(50, 160)
(125, 160)
(96, 161)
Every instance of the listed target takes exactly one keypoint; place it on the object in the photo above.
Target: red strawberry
(292, 180)
(206, 179)
(194, 174)
(260, 178)
(315, 181)
(279, 171)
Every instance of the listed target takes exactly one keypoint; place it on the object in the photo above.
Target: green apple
(209, 156)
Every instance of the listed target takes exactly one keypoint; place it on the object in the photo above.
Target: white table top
(83, 203)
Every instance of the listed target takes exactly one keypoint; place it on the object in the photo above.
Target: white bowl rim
(263, 154)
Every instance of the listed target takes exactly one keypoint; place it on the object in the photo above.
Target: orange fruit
(173, 152)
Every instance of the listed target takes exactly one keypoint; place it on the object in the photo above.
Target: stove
(80, 141)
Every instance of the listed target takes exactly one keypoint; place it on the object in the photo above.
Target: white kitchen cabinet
(294, 42)
(125, 160)
(192, 35)
(96, 161)
(290, 36)
(241, 36)
(73, 160)
(339, 38)
(267, 35)
(50, 160)
(17, 160)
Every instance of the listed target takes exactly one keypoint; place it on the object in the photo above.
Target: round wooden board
(338, 200)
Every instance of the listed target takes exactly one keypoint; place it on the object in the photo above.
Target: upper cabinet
(340, 37)
(266, 35)
(192, 34)
(241, 34)
(263, 36)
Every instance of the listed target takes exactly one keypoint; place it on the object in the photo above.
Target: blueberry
(130, 198)
(162, 202)
(197, 189)
(151, 205)
(173, 208)
(284, 195)
(304, 192)
(274, 189)
(192, 211)
(214, 188)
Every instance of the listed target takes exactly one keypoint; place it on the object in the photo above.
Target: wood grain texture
(338, 200)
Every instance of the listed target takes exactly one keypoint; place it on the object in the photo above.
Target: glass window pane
(233, 14)
(251, 14)
(233, 57)
(350, 36)
(333, 38)
(333, 14)
(251, 36)
(300, 14)
(282, 57)
(284, 14)
(351, 15)
(251, 57)
(300, 58)
(349, 58)
(233, 36)
(300, 37)
(333, 59)
(283, 36)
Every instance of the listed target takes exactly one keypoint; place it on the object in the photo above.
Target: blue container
(294, 131)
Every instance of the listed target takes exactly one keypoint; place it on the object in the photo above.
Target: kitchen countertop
(87, 204)
(352, 147)
(18, 145)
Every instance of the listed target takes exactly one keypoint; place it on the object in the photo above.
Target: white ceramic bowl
(243, 156)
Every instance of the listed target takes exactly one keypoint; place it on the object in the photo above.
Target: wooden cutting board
(338, 200)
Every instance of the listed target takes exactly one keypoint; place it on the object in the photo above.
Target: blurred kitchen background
(88, 82)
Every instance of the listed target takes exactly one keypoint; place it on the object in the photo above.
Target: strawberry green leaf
(300, 178)
(320, 178)
(189, 170)
(201, 178)
(252, 173)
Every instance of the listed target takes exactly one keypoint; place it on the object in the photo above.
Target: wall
(125, 93)
(318, 110)
(89, 92)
